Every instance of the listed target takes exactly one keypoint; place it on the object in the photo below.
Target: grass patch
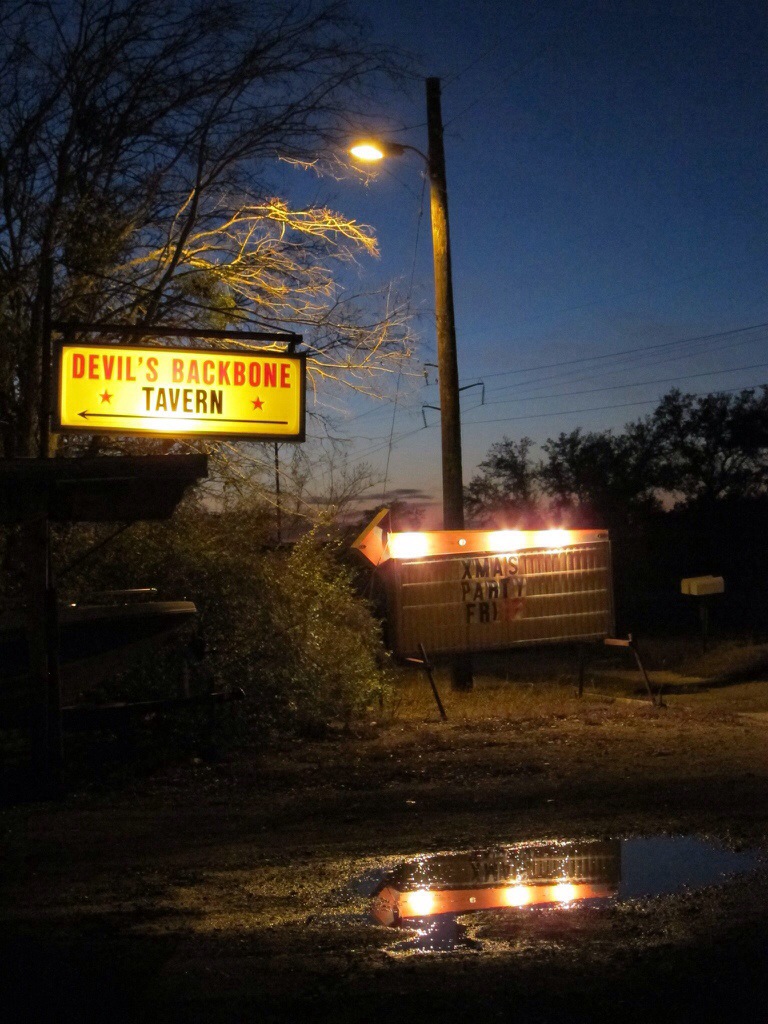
(730, 662)
(492, 697)
(535, 684)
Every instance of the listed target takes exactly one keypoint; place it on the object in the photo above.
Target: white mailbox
(702, 586)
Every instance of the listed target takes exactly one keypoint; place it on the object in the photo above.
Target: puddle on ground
(427, 894)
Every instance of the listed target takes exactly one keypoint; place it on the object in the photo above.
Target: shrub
(283, 624)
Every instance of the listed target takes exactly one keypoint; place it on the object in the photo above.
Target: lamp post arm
(413, 149)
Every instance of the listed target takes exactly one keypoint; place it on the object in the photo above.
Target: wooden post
(447, 360)
(277, 495)
(425, 664)
(46, 356)
(43, 626)
(43, 641)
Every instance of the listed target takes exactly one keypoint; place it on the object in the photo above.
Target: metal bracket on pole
(477, 384)
(288, 338)
(424, 415)
(630, 645)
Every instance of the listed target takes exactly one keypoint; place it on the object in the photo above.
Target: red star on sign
(257, 403)
(105, 397)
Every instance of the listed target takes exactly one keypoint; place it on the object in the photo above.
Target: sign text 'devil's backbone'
(184, 391)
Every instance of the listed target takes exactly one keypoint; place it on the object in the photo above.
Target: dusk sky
(607, 186)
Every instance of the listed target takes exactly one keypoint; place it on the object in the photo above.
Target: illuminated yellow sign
(182, 391)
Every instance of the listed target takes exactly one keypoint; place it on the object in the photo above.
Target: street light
(372, 150)
(447, 362)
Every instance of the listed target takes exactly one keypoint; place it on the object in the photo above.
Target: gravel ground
(222, 891)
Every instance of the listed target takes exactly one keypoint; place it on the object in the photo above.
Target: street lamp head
(372, 150)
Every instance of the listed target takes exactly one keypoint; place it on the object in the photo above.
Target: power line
(643, 351)
(602, 408)
(381, 445)
(390, 442)
(620, 387)
(609, 372)
(638, 351)
(624, 352)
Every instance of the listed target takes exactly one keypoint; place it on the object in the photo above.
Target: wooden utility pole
(448, 369)
(447, 361)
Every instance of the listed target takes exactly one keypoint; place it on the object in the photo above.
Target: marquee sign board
(181, 391)
(519, 875)
(476, 590)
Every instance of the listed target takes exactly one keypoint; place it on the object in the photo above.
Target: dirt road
(232, 891)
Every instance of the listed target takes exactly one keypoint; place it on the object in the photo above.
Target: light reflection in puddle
(427, 894)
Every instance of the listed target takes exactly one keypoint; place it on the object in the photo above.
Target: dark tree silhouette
(691, 451)
(714, 446)
(603, 478)
(507, 488)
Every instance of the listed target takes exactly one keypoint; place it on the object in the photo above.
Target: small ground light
(409, 545)
(553, 538)
(518, 895)
(506, 540)
(422, 902)
(564, 892)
